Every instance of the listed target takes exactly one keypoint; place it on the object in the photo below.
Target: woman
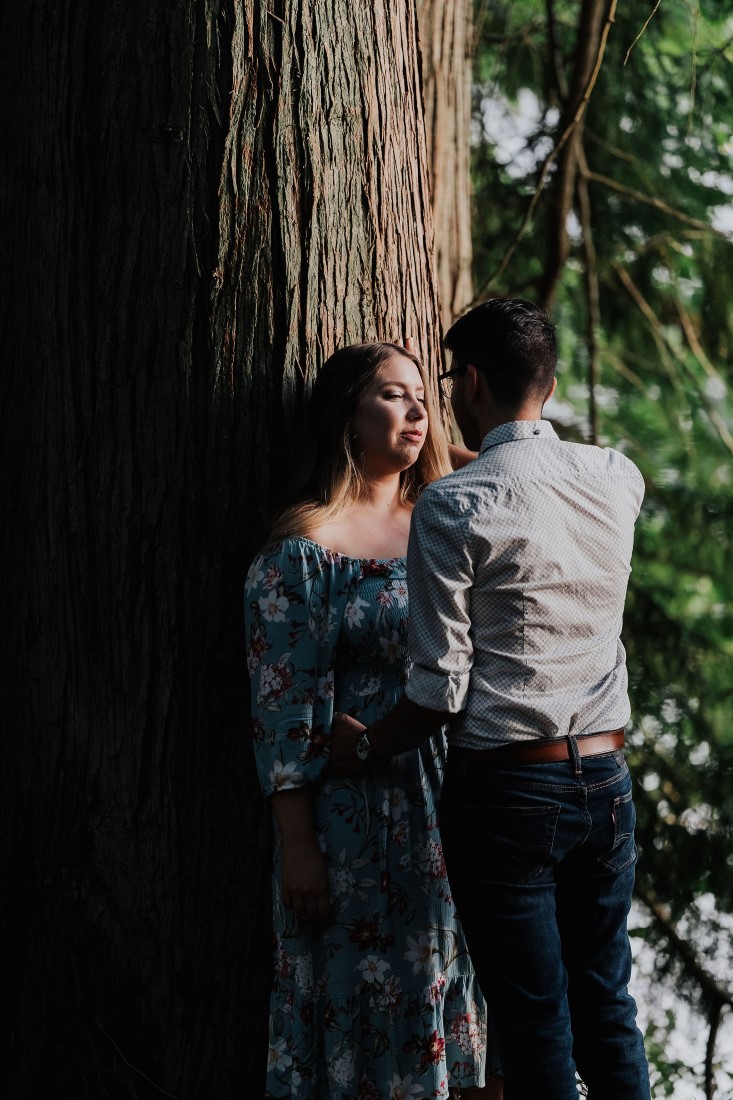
(374, 993)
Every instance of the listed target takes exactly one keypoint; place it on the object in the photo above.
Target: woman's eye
(397, 395)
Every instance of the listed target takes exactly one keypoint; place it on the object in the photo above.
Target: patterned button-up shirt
(518, 566)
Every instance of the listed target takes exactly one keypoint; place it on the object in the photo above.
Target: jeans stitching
(527, 784)
(621, 839)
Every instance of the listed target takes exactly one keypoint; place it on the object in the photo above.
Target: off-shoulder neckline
(328, 552)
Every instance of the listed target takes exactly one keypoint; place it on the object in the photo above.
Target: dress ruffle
(422, 1042)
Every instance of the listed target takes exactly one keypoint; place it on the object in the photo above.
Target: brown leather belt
(544, 752)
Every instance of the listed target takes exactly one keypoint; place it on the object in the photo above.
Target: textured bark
(206, 199)
(446, 28)
(326, 151)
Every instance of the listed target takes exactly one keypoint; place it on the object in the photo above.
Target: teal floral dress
(382, 1002)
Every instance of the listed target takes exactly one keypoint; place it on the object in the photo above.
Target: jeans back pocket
(518, 840)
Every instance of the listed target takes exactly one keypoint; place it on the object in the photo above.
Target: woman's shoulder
(327, 537)
(292, 550)
(295, 564)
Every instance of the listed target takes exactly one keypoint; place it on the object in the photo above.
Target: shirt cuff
(444, 691)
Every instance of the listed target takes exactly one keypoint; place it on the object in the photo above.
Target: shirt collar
(518, 429)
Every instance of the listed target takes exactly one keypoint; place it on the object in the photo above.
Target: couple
(518, 566)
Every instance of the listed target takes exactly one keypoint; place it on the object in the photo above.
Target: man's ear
(550, 392)
(473, 382)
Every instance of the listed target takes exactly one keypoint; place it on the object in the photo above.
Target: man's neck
(492, 416)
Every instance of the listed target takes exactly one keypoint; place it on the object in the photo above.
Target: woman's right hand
(303, 872)
(304, 881)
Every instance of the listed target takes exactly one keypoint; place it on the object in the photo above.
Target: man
(517, 566)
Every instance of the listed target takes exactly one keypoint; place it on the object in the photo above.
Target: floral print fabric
(382, 1002)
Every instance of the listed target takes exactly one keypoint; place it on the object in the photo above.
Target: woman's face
(389, 428)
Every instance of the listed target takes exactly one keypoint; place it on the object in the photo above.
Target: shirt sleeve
(440, 575)
(290, 634)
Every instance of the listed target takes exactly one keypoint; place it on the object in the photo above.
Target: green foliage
(668, 1072)
(658, 144)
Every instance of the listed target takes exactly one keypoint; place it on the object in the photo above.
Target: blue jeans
(540, 860)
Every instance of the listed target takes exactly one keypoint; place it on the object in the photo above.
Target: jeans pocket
(519, 840)
(623, 850)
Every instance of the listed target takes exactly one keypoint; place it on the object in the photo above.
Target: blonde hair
(331, 479)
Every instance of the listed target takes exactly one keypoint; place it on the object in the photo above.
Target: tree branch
(693, 74)
(550, 159)
(658, 204)
(625, 371)
(592, 294)
(665, 349)
(716, 997)
(716, 1011)
(654, 322)
(614, 150)
(691, 336)
(554, 51)
(563, 190)
(714, 993)
(641, 32)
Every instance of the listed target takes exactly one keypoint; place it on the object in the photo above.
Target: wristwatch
(364, 748)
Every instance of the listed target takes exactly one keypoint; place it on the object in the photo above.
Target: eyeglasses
(445, 389)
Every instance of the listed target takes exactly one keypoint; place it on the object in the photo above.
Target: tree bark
(210, 197)
(446, 28)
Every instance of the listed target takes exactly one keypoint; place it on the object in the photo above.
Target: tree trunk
(212, 196)
(324, 201)
(446, 29)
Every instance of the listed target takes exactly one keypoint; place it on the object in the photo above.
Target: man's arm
(440, 576)
(405, 727)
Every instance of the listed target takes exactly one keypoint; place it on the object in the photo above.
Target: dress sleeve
(291, 633)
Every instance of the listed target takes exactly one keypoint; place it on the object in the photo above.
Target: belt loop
(574, 754)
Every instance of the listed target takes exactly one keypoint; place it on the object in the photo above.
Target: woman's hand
(304, 881)
(303, 870)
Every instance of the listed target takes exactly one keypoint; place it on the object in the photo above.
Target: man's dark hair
(512, 342)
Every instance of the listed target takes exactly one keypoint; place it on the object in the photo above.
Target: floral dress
(383, 1001)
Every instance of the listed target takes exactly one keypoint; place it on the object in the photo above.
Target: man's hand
(460, 456)
(345, 732)
(304, 881)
